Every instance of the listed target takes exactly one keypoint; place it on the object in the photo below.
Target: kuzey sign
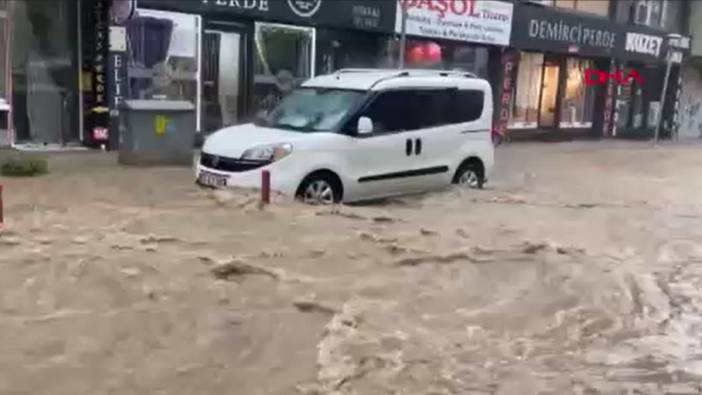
(599, 77)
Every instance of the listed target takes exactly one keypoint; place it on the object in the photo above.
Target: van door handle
(408, 147)
(417, 146)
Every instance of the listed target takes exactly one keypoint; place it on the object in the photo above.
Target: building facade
(690, 103)
(64, 69)
(236, 59)
(588, 68)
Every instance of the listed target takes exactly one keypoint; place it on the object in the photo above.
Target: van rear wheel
(469, 175)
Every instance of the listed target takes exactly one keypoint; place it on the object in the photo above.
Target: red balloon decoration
(425, 52)
(432, 52)
(415, 54)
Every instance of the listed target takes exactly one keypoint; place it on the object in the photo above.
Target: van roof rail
(408, 72)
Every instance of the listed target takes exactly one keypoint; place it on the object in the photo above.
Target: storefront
(235, 59)
(554, 52)
(577, 75)
(465, 35)
(40, 99)
(638, 105)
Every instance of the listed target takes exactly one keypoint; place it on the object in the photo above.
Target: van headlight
(272, 152)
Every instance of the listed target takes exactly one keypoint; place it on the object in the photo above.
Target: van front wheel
(320, 189)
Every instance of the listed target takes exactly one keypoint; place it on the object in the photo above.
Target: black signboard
(373, 15)
(643, 44)
(549, 29)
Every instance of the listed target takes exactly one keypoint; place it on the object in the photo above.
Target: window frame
(576, 7)
(455, 104)
(660, 23)
(199, 31)
(348, 125)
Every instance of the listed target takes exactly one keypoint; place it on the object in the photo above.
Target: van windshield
(313, 109)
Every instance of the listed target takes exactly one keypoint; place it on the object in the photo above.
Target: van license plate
(212, 180)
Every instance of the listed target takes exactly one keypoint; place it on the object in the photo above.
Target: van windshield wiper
(291, 127)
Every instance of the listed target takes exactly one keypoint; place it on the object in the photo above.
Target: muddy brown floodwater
(578, 271)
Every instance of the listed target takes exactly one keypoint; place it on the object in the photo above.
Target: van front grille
(233, 165)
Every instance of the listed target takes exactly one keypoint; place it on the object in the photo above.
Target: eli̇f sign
(599, 77)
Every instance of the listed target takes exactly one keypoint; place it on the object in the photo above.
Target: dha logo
(599, 77)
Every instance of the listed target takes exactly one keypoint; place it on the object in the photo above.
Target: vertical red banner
(509, 63)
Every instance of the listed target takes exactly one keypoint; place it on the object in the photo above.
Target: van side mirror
(364, 126)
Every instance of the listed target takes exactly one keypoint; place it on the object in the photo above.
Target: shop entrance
(225, 60)
(549, 94)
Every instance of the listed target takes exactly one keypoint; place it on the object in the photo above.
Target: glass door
(224, 67)
(549, 96)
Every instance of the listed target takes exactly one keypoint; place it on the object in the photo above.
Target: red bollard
(2, 219)
(266, 187)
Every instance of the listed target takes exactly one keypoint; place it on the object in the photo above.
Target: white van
(361, 134)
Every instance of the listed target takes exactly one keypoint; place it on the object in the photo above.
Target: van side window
(467, 106)
(389, 112)
(432, 107)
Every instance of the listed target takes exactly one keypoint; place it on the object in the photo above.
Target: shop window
(338, 49)
(624, 102)
(283, 60)
(630, 107)
(579, 99)
(566, 4)
(649, 12)
(163, 50)
(525, 104)
(45, 71)
(599, 7)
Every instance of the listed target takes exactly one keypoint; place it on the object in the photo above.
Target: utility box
(157, 132)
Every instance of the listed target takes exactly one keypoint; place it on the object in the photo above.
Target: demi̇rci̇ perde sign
(549, 29)
(479, 21)
(546, 29)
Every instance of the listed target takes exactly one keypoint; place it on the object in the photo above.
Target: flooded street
(578, 270)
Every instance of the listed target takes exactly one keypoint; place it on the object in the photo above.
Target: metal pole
(403, 34)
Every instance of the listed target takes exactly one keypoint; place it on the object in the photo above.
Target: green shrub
(24, 166)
